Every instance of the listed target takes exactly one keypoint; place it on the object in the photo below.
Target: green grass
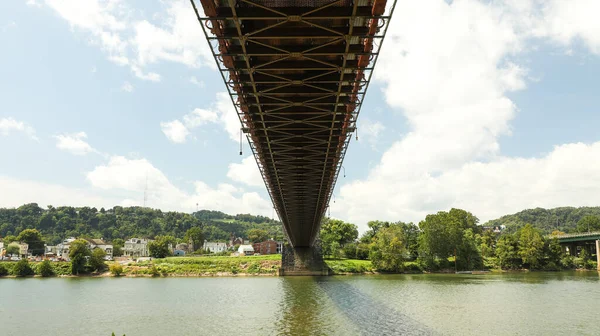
(340, 266)
(206, 265)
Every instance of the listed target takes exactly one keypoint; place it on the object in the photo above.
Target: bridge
(297, 72)
(573, 243)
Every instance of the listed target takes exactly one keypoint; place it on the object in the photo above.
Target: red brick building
(266, 247)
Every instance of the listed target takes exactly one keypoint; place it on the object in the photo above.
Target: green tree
(531, 246)
(196, 236)
(45, 269)
(335, 234)
(22, 268)
(118, 244)
(506, 252)
(78, 253)
(554, 252)
(468, 256)
(34, 239)
(388, 250)
(9, 239)
(3, 270)
(160, 247)
(257, 235)
(13, 249)
(116, 269)
(588, 224)
(97, 260)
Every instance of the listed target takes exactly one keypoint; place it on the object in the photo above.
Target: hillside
(57, 223)
(564, 218)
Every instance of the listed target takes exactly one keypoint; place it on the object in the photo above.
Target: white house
(215, 247)
(62, 249)
(136, 247)
(246, 250)
(99, 243)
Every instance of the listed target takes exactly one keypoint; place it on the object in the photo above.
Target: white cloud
(129, 40)
(246, 172)
(175, 131)
(127, 87)
(8, 125)
(221, 112)
(126, 178)
(371, 130)
(448, 68)
(74, 143)
(197, 82)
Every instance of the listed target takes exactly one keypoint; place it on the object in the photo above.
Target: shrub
(22, 268)
(154, 271)
(45, 269)
(116, 269)
(3, 270)
(567, 262)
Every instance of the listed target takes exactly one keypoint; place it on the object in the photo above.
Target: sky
(489, 106)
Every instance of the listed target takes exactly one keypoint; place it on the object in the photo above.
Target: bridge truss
(297, 73)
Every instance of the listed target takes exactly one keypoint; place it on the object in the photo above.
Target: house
(23, 249)
(246, 250)
(62, 249)
(236, 241)
(183, 247)
(99, 243)
(136, 247)
(214, 247)
(267, 247)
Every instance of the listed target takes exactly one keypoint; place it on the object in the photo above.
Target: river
(566, 303)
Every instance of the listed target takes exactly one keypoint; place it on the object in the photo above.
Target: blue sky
(492, 107)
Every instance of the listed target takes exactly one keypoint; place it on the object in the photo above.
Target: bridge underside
(297, 73)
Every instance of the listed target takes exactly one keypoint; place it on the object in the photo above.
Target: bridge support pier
(303, 260)
(598, 254)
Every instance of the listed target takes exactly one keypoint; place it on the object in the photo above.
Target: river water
(425, 304)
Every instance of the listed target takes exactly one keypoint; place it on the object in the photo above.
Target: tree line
(450, 240)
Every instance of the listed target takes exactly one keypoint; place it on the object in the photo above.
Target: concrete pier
(303, 260)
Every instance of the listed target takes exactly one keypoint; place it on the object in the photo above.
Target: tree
(588, 224)
(506, 251)
(118, 247)
(45, 269)
(335, 234)
(257, 235)
(388, 250)
(22, 268)
(531, 246)
(9, 239)
(3, 270)
(34, 239)
(97, 260)
(78, 253)
(468, 256)
(159, 248)
(116, 269)
(13, 249)
(554, 251)
(196, 236)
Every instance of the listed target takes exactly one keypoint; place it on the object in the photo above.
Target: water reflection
(332, 306)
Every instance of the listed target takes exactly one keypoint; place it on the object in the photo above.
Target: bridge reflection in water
(332, 306)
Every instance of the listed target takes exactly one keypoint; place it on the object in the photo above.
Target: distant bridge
(297, 72)
(575, 242)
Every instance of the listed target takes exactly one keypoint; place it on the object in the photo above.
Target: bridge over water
(573, 243)
(297, 72)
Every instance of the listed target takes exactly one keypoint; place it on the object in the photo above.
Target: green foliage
(547, 220)
(506, 251)
(9, 239)
(13, 249)
(589, 223)
(45, 269)
(531, 246)
(355, 250)
(116, 269)
(341, 266)
(257, 235)
(335, 234)
(3, 270)
(96, 260)
(118, 245)
(78, 253)
(159, 248)
(22, 268)
(34, 239)
(388, 250)
(196, 237)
